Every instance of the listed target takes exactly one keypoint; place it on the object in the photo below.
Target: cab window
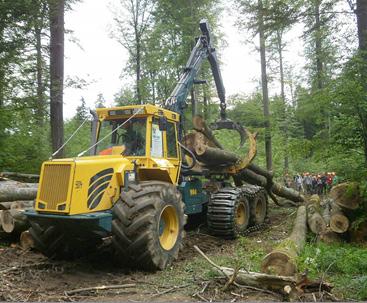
(156, 149)
(131, 135)
(171, 140)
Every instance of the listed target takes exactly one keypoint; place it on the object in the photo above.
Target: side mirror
(162, 123)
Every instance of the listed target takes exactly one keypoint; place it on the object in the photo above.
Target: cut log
(5, 205)
(14, 221)
(329, 237)
(287, 193)
(284, 285)
(346, 195)
(260, 171)
(200, 126)
(212, 156)
(26, 240)
(326, 214)
(251, 177)
(282, 260)
(22, 204)
(339, 223)
(20, 176)
(15, 194)
(314, 220)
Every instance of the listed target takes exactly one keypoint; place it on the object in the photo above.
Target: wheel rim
(241, 214)
(259, 207)
(168, 227)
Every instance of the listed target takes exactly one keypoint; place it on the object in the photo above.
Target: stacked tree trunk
(211, 156)
(315, 221)
(15, 198)
(347, 212)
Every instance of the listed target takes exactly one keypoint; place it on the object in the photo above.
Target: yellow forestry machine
(144, 176)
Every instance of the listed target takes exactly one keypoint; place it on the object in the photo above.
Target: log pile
(15, 198)
(345, 211)
(211, 156)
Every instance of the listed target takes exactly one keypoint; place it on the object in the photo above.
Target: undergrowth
(344, 265)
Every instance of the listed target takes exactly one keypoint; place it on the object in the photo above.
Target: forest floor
(28, 276)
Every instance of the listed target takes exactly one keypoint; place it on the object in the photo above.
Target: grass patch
(344, 265)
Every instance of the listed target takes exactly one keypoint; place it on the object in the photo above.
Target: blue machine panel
(193, 196)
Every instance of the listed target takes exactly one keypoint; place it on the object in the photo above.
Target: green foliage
(344, 265)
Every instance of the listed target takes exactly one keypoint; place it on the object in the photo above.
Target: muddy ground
(28, 276)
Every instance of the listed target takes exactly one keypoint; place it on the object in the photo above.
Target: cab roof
(128, 110)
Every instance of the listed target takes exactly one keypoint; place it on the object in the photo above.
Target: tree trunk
(15, 194)
(318, 46)
(361, 14)
(339, 223)
(282, 94)
(14, 221)
(314, 220)
(20, 176)
(40, 106)
(264, 83)
(199, 125)
(282, 260)
(346, 195)
(212, 156)
(26, 240)
(57, 73)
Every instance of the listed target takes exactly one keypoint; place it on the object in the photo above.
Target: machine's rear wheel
(148, 225)
(258, 208)
(228, 213)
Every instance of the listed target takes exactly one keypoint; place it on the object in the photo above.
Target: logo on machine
(97, 186)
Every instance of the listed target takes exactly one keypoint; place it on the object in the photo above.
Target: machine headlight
(130, 176)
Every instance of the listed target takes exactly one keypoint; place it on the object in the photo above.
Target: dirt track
(28, 276)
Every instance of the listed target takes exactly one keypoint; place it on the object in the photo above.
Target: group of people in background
(311, 183)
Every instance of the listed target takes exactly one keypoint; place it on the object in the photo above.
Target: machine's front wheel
(55, 243)
(148, 225)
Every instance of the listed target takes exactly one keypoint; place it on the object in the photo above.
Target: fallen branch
(102, 287)
(259, 281)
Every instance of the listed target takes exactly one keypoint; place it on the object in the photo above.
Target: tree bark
(212, 156)
(14, 221)
(26, 240)
(199, 125)
(339, 223)
(16, 194)
(314, 220)
(40, 106)
(57, 73)
(361, 14)
(20, 176)
(264, 83)
(282, 260)
(346, 195)
(282, 95)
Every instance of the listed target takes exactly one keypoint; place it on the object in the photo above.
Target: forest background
(317, 118)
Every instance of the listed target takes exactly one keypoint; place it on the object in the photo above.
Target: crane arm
(202, 50)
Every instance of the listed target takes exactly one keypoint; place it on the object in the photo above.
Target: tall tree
(264, 84)
(57, 8)
(133, 21)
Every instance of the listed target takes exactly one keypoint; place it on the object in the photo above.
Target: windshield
(128, 140)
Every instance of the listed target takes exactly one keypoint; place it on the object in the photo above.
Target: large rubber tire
(148, 225)
(258, 208)
(228, 213)
(56, 244)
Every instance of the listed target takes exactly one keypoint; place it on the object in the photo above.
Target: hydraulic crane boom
(202, 50)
